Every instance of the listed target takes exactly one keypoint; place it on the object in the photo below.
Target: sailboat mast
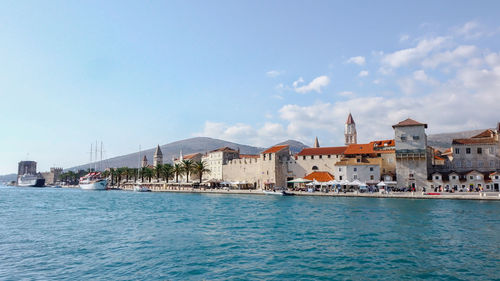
(100, 162)
(95, 164)
(90, 163)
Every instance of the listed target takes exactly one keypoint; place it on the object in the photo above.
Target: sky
(132, 73)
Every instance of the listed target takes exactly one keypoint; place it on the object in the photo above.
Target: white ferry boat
(28, 180)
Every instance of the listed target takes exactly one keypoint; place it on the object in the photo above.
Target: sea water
(71, 234)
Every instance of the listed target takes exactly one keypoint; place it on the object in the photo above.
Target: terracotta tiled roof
(438, 158)
(224, 149)
(320, 176)
(359, 149)
(248, 156)
(274, 149)
(475, 141)
(447, 152)
(383, 143)
(323, 151)
(409, 122)
(485, 134)
(190, 156)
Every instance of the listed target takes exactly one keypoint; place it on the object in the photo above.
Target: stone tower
(144, 161)
(411, 154)
(351, 137)
(316, 143)
(158, 157)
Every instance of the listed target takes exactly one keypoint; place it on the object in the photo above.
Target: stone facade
(480, 153)
(411, 154)
(216, 159)
(53, 176)
(26, 167)
(350, 134)
(158, 157)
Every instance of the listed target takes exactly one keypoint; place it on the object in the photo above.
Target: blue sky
(254, 72)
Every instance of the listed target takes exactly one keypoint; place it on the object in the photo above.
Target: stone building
(351, 137)
(158, 157)
(53, 176)
(309, 160)
(26, 167)
(480, 152)
(411, 154)
(269, 170)
(215, 159)
(144, 162)
(360, 168)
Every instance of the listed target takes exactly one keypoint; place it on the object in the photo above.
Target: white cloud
(317, 84)
(470, 30)
(273, 73)
(359, 60)
(453, 57)
(363, 73)
(405, 56)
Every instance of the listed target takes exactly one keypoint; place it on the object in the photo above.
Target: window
(264, 157)
(270, 156)
(492, 150)
(492, 163)
(329, 156)
(314, 168)
(457, 150)
(458, 164)
(453, 177)
(355, 169)
(358, 160)
(471, 177)
(480, 164)
(436, 177)
(371, 169)
(340, 177)
(410, 176)
(467, 150)
(403, 137)
(416, 137)
(304, 157)
(355, 177)
(312, 156)
(479, 150)
(372, 177)
(469, 164)
(340, 169)
(321, 157)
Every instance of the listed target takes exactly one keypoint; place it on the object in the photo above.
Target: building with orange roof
(320, 176)
(480, 152)
(216, 159)
(309, 160)
(365, 169)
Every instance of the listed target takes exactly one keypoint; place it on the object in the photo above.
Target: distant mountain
(443, 141)
(295, 146)
(188, 146)
(8, 178)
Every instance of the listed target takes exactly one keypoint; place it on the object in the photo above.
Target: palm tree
(157, 171)
(200, 167)
(187, 166)
(112, 174)
(167, 171)
(178, 171)
(148, 172)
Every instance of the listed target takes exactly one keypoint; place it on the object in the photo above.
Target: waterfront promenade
(183, 188)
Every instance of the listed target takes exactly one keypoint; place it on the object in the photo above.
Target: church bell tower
(351, 137)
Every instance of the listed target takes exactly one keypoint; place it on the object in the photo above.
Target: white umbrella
(299, 180)
(382, 183)
(356, 182)
(345, 182)
(310, 184)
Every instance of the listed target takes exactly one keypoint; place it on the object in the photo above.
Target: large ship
(30, 180)
(93, 181)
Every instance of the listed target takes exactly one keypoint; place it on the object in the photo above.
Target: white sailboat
(93, 180)
(137, 186)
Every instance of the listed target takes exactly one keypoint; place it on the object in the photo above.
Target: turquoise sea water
(69, 234)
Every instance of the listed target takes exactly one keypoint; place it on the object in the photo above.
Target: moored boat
(141, 188)
(29, 180)
(93, 181)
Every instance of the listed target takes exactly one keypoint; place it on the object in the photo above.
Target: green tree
(157, 171)
(148, 173)
(187, 167)
(167, 171)
(177, 171)
(200, 167)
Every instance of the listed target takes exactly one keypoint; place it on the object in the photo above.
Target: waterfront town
(405, 163)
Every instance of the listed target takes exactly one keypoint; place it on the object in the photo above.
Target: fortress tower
(351, 137)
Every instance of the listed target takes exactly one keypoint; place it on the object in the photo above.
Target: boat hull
(95, 185)
(31, 183)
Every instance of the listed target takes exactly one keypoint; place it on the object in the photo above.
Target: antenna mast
(90, 163)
